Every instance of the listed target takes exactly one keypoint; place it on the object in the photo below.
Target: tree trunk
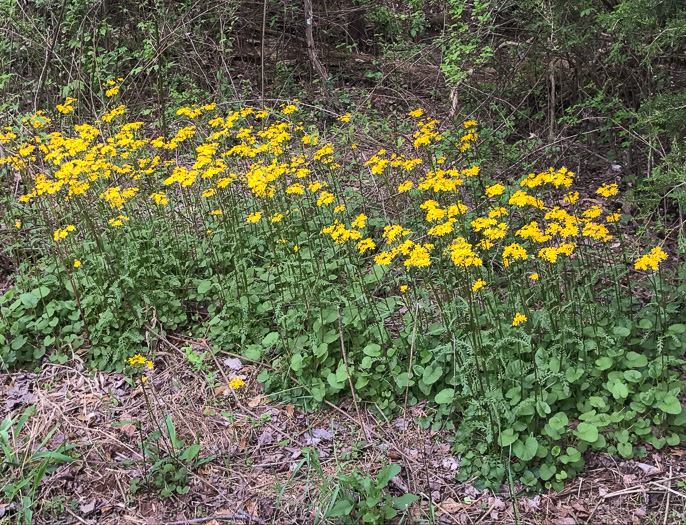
(311, 51)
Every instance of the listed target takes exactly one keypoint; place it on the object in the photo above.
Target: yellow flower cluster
(365, 245)
(38, 121)
(62, 233)
(405, 186)
(427, 132)
(651, 260)
(478, 284)
(195, 111)
(551, 253)
(118, 221)
(254, 217)
(112, 87)
(494, 190)
(116, 197)
(67, 107)
(236, 383)
(519, 319)
(139, 361)
(513, 252)
(340, 234)
(559, 178)
(522, 199)
(111, 115)
(462, 255)
(469, 137)
(607, 190)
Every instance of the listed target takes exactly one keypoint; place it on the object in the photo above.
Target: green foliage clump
(516, 309)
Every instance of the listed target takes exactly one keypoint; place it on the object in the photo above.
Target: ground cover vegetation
(507, 249)
(515, 309)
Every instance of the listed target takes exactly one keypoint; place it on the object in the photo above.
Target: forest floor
(262, 466)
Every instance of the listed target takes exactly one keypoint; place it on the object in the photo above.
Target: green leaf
(404, 502)
(597, 401)
(525, 450)
(673, 440)
(432, 374)
(572, 456)
(190, 453)
(636, 360)
(677, 328)
(296, 362)
(204, 287)
(603, 363)
(507, 437)
(28, 299)
(388, 472)
(372, 350)
(587, 432)
(547, 471)
(18, 342)
(444, 396)
(618, 388)
(621, 331)
(270, 339)
(253, 352)
(341, 508)
(670, 404)
(558, 421)
(41, 292)
(625, 450)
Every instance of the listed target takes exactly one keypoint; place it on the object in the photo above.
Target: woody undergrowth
(523, 314)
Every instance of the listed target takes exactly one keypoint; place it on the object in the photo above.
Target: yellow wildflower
(479, 283)
(61, 233)
(236, 383)
(67, 107)
(419, 256)
(325, 197)
(160, 198)
(495, 190)
(405, 186)
(607, 190)
(571, 197)
(384, 258)
(138, 361)
(462, 254)
(365, 244)
(519, 319)
(416, 113)
(77, 263)
(254, 217)
(360, 221)
(651, 260)
(514, 251)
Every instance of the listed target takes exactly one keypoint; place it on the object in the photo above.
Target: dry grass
(259, 464)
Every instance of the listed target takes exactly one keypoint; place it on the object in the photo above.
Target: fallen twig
(240, 517)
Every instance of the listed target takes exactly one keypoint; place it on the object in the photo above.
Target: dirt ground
(262, 469)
